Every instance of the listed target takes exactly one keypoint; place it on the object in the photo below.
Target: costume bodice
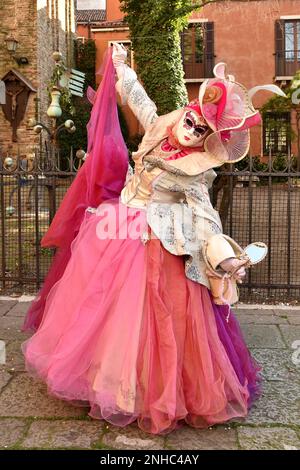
(138, 189)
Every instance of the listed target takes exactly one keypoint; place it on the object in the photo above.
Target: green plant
(85, 57)
(123, 124)
(78, 140)
(154, 28)
(278, 104)
(244, 165)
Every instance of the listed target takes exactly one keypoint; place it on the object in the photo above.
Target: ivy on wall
(85, 54)
(279, 104)
(155, 27)
(85, 62)
(85, 58)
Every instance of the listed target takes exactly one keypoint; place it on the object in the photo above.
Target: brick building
(259, 40)
(40, 27)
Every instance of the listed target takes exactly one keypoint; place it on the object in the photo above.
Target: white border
(290, 17)
(198, 20)
(194, 80)
(108, 30)
(83, 39)
(283, 78)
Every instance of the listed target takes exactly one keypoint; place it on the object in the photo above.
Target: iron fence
(257, 202)
(261, 202)
(30, 193)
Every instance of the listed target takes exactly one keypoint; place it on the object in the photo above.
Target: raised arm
(130, 89)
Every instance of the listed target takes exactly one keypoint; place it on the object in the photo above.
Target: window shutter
(279, 48)
(182, 45)
(209, 49)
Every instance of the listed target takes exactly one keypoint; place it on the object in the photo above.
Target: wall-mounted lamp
(12, 45)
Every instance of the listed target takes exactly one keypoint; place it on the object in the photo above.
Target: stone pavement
(30, 419)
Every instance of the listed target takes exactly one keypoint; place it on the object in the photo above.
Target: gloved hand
(232, 264)
(119, 55)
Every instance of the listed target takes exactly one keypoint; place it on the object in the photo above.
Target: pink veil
(101, 177)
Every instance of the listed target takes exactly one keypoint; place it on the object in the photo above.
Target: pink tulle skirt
(126, 333)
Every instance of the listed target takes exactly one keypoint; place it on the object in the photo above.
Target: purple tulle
(231, 336)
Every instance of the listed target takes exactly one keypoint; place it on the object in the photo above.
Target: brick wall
(41, 27)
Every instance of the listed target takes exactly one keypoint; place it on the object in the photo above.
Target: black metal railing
(261, 202)
(29, 197)
(257, 202)
(287, 63)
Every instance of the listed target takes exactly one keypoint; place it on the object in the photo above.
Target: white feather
(273, 88)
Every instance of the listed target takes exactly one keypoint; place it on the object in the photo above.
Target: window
(292, 40)
(287, 36)
(276, 133)
(127, 45)
(81, 39)
(197, 45)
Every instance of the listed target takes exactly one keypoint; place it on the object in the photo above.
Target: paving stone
(10, 328)
(19, 310)
(277, 364)
(25, 396)
(262, 319)
(294, 319)
(131, 438)
(290, 333)
(4, 378)
(263, 438)
(218, 438)
(63, 434)
(262, 336)
(252, 311)
(285, 312)
(279, 404)
(14, 357)
(6, 305)
(11, 431)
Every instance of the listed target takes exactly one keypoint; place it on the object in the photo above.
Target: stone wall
(18, 18)
(41, 27)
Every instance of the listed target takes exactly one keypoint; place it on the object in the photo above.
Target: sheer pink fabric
(136, 339)
(100, 178)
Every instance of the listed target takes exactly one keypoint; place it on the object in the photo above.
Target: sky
(91, 4)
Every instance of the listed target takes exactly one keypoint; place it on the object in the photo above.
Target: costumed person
(125, 322)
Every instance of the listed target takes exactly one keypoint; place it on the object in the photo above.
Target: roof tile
(90, 16)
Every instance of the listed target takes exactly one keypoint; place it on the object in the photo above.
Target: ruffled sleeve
(133, 94)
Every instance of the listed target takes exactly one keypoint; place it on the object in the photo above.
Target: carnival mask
(191, 130)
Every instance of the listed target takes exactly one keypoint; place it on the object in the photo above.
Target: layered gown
(129, 328)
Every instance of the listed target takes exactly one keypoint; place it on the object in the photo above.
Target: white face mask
(191, 130)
